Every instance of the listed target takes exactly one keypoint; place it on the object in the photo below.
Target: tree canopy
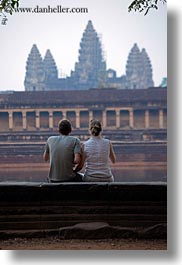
(144, 5)
(8, 5)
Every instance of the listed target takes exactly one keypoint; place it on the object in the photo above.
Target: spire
(89, 26)
(134, 61)
(50, 67)
(147, 70)
(133, 67)
(35, 76)
(138, 69)
(91, 67)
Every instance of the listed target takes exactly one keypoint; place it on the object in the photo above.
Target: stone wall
(127, 109)
(128, 152)
(37, 209)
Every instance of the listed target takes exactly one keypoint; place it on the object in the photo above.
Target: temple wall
(117, 109)
(139, 119)
(47, 119)
(127, 153)
(124, 119)
(4, 122)
(30, 124)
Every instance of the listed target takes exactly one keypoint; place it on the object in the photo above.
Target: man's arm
(79, 165)
(77, 158)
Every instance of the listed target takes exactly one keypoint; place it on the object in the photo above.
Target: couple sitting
(67, 155)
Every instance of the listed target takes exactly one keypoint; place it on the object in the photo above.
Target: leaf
(144, 5)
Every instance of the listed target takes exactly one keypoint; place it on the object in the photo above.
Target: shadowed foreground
(123, 216)
(43, 209)
(76, 244)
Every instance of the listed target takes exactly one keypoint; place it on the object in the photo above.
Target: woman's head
(95, 127)
(64, 127)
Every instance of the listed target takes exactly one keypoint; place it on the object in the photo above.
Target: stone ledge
(91, 231)
(38, 191)
(132, 209)
(102, 230)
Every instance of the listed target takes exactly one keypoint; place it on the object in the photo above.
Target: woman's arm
(112, 154)
(46, 156)
(80, 165)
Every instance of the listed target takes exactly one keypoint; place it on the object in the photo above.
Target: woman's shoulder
(106, 140)
(88, 141)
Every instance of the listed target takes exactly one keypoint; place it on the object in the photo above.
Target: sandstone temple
(135, 120)
(132, 110)
(90, 70)
(120, 111)
(133, 113)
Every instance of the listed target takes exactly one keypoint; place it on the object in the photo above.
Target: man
(64, 153)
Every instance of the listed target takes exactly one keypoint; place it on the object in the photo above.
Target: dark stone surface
(92, 97)
(157, 231)
(19, 192)
(37, 192)
(45, 207)
(96, 230)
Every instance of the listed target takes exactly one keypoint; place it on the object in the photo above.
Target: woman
(97, 153)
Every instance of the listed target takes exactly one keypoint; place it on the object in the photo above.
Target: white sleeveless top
(97, 150)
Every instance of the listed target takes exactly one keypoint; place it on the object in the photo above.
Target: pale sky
(61, 33)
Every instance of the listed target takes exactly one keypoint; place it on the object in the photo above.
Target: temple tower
(90, 70)
(50, 68)
(133, 68)
(147, 80)
(138, 69)
(35, 75)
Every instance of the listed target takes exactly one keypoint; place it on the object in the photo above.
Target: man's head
(64, 127)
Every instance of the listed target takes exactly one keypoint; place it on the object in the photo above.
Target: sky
(62, 32)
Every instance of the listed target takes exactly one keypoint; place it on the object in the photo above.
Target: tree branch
(144, 5)
(8, 4)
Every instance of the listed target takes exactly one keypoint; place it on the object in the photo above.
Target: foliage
(144, 5)
(8, 5)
